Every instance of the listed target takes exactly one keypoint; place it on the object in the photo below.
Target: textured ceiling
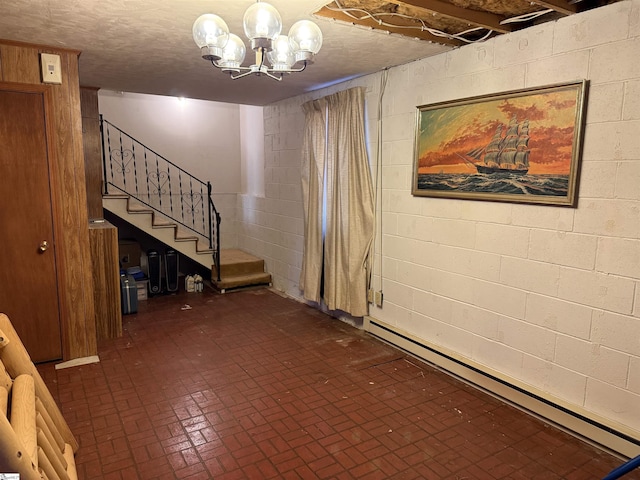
(145, 46)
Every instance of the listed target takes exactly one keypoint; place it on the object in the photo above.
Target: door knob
(44, 245)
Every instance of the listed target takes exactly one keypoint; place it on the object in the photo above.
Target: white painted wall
(202, 135)
(252, 150)
(199, 136)
(547, 296)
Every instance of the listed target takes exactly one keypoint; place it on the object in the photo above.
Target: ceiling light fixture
(262, 25)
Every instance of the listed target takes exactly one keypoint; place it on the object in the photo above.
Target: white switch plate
(51, 69)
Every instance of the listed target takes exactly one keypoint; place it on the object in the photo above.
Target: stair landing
(239, 269)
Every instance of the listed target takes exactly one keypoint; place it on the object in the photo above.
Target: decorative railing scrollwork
(122, 158)
(158, 181)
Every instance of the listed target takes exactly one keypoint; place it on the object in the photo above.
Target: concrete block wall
(547, 296)
(272, 226)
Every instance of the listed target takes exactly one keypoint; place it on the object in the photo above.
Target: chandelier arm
(294, 70)
(286, 70)
(248, 71)
(270, 75)
(217, 65)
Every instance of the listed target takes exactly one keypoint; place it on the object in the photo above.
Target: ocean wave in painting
(501, 183)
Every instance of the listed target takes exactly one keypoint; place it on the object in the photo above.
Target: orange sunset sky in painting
(449, 132)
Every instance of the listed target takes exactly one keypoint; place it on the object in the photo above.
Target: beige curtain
(313, 165)
(349, 204)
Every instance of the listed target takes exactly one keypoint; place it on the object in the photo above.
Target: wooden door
(28, 284)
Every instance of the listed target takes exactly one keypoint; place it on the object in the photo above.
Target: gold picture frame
(519, 146)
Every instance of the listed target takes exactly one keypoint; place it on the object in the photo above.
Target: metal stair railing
(132, 168)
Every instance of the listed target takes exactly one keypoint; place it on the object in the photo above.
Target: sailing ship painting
(520, 146)
(506, 152)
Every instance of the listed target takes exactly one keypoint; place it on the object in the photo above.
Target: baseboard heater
(583, 424)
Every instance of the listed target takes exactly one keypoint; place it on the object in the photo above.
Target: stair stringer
(152, 224)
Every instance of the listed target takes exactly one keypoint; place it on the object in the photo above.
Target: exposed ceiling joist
(560, 6)
(369, 22)
(475, 18)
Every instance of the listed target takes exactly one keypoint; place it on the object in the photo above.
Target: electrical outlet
(370, 296)
(378, 298)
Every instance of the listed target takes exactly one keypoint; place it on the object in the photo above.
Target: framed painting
(518, 146)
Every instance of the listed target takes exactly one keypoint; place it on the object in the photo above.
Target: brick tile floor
(250, 385)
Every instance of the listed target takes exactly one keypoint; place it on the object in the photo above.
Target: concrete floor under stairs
(238, 269)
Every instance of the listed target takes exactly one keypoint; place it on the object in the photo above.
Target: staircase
(238, 269)
(158, 226)
(156, 196)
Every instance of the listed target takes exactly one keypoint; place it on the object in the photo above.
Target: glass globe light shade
(305, 37)
(233, 53)
(262, 20)
(281, 57)
(210, 30)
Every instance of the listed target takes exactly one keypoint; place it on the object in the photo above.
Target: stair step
(190, 238)
(139, 209)
(158, 223)
(236, 263)
(238, 281)
(202, 246)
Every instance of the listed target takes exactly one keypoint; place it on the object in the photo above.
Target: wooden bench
(35, 440)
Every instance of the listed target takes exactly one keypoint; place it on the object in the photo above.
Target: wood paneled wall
(103, 239)
(20, 63)
(92, 150)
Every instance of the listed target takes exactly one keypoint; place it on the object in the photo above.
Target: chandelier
(262, 25)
